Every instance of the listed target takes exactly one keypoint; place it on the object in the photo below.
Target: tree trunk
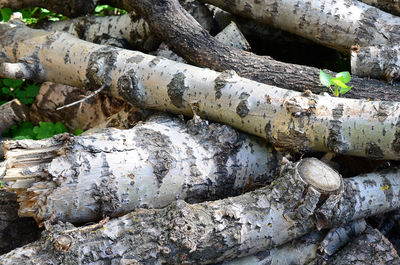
(11, 113)
(337, 25)
(298, 202)
(381, 62)
(170, 22)
(390, 6)
(290, 120)
(113, 172)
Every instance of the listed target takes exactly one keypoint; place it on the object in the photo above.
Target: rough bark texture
(304, 249)
(67, 8)
(88, 114)
(307, 195)
(14, 231)
(11, 113)
(390, 6)
(113, 172)
(381, 62)
(183, 34)
(369, 248)
(288, 119)
(337, 25)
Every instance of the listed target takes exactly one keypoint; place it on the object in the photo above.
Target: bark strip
(112, 172)
(308, 194)
(289, 120)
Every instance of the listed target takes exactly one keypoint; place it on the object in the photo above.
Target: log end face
(319, 175)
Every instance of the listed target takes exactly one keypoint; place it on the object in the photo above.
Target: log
(305, 249)
(112, 172)
(390, 6)
(380, 62)
(336, 25)
(299, 201)
(290, 120)
(11, 113)
(371, 247)
(185, 37)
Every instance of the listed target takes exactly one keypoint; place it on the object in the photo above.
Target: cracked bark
(390, 6)
(112, 172)
(299, 201)
(290, 120)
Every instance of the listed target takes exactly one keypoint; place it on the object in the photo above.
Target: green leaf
(6, 13)
(101, 8)
(59, 128)
(6, 90)
(325, 79)
(345, 90)
(345, 77)
(15, 83)
(78, 132)
(32, 90)
(23, 130)
(44, 130)
(338, 82)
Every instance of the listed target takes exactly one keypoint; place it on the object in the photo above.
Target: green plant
(106, 10)
(31, 15)
(16, 88)
(27, 130)
(336, 84)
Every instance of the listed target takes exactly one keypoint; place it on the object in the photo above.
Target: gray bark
(371, 247)
(390, 6)
(381, 62)
(11, 113)
(299, 201)
(337, 25)
(112, 172)
(289, 120)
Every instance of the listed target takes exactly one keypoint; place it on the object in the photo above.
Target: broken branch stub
(237, 226)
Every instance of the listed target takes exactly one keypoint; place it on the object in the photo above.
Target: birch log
(170, 22)
(290, 120)
(381, 62)
(11, 113)
(337, 25)
(308, 194)
(371, 247)
(390, 6)
(112, 172)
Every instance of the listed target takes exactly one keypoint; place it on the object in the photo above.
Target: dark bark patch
(396, 141)
(100, 66)
(67, 58)
(154, 62)
(135, 59)
(373, 151)
(242, 109)
(221, 81)
(129, 88)
(268, 131)
(176, 90)
(335, 141)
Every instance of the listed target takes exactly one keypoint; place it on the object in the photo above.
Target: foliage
(27, 130)
(31, 15)
(106, 10)
(15, 88)
(338, 82)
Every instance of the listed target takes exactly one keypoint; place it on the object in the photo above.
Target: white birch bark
(338, 25)
(299, 201)
(112, 172)
(380, 62)
(288, 119)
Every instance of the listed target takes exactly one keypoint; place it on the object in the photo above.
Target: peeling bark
(299, 201)
(11, 113)
(195, 45)
(381, 62)
(371, 247)
(390, 6)
(304, 249)
(290, 120)
(337, 25)
(112, 172)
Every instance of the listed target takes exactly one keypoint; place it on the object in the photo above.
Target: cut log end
(319, 175)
